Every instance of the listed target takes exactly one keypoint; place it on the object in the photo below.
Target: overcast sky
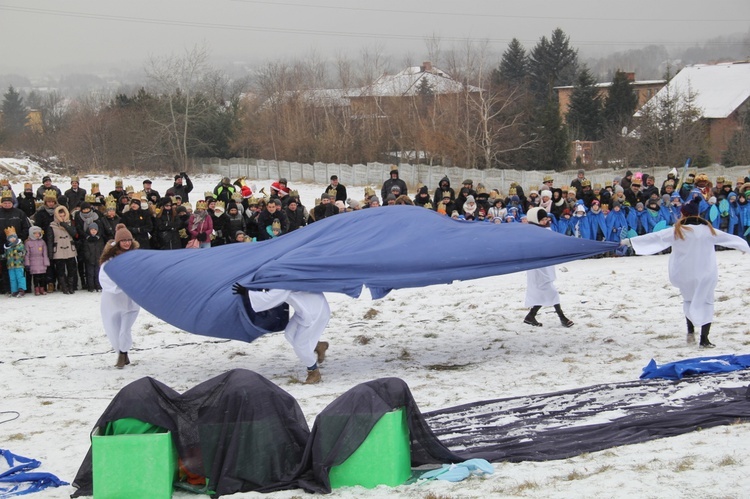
(48, 36)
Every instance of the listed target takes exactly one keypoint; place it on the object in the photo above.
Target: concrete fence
(373, 174)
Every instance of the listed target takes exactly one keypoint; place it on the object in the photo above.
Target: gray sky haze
(46, 36)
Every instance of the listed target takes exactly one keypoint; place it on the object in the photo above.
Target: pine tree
(15, 114)
(621, 102)
(514, 66)
(424, 88)
(552, 63)
(585, 113)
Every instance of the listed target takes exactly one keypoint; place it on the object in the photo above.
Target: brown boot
(51, 287)
(127, 359)
(320, 350)
(120, 360)
(313, 376)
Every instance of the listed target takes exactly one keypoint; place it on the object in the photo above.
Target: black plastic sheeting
(246, 434)
(572, 422)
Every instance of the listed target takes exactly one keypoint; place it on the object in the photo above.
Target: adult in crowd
(394, 180)
(182, 187)
(47, 185)
(336, 190)
(75, 195)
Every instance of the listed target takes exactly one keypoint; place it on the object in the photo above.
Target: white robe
(540, 287)
(692, 265)
(118, 311)
(306, 325)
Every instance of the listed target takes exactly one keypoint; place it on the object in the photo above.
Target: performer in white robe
(540, 283)
(692, 264)
(306, 325)
(118, 311)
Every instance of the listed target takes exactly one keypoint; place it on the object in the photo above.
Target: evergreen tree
(514, 66)
(585, 113)
(552, 63)
(738, 149)
(15, 114)
(424, 88)
(621, 102)
(551, 140)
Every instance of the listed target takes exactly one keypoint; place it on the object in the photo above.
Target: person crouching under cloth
(305, 326)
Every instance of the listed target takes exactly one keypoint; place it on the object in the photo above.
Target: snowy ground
(56, 367)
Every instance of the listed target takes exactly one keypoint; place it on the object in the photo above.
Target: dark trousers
(92, 277)
(66, 273)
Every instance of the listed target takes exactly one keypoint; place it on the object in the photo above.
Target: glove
(183, 233)
(183, 174)
(238, 289)
(202, 237)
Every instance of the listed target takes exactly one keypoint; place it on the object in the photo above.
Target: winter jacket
(107, 226)
(181, 190)
(93, 247)
(27, 203)
(37, 257)
(13, 217)
(388, 185)
(323, 211)
(61, 240)
(443, 186)
(167, 230)
(206, 226)
(140, 224)
(221, 224)
(297, 218)
(75, 197)
(14, 256)
(266, 218)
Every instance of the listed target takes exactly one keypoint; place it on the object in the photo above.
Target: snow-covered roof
(407, 83)
(719, 89)
(637, 83)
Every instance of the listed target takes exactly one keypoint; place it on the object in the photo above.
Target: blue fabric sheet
(382, 248)
(16, 477)
(698, 365)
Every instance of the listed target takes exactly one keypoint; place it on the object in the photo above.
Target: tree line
(302, 111)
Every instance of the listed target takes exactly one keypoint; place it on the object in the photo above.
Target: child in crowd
(15, 257)
(37, 260)
(93, 247)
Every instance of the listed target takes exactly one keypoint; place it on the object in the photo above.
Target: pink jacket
(36, 256)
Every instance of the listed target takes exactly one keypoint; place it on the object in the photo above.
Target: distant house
(414, 81)
(644, 89)
(721, 93)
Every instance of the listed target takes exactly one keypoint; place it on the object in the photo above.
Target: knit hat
(94, 226)
(691, 209)
(122, 233)
(353, 203)
(666, 198)
(46, 178)
(546, 192)
(535, 215)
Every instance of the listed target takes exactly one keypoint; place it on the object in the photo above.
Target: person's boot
(127, 359)
(690, 332)
(43, 290)
(120, 360)
(37, 291)
(531, 317)
(72, 285)
(320, 350)
(63, 286)
(313, 376)
(51, 287)
(563, 320)
(705, 329)
(21, 293)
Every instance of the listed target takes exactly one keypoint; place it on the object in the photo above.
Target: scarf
(88, 219)
(198, 217)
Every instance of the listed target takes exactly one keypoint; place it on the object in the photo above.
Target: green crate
(133, 466)
(384, 458)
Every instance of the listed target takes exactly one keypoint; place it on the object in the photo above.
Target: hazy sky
(43, 36)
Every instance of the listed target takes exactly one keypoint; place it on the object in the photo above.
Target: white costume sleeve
(266, 300)
(649, 244)
(731, 241)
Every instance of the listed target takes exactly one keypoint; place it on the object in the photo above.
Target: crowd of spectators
(63, 233)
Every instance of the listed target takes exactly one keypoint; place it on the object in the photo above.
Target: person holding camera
(181, 189)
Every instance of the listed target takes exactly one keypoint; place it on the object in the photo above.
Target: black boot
(63, 285)
(531, 316)
(563, 320)
(690, 332)
(704, 336)
(72, 285)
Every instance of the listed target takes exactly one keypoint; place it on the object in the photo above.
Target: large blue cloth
(698, 365)
(382, 248)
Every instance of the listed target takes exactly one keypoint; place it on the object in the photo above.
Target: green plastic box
(133, 466)
(384, 458)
